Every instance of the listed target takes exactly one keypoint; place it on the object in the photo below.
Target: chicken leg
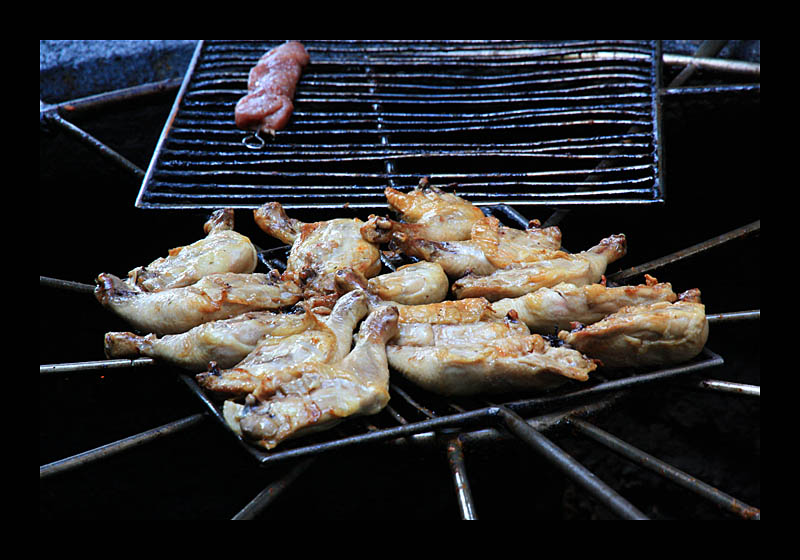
(320, 394)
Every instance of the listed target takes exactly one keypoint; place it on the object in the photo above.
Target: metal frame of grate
(522, 122)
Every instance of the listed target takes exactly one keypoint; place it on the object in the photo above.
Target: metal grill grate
(558, 123)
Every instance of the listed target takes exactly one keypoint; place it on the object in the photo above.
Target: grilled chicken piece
(271, 85)
(313, 339)
(491, 246)
(519, 279)
(485, 357)
(225, 342)
(319, 394)
(504, 246)
(222, 250)
(445, 312)
(426, 212)
(548, 310)
(318, 250)
(655, 334)
(461, 347)
(457, 258)
(213, 297)
(413, 284)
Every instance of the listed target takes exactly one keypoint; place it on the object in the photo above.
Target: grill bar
(104, 451)
(490, 116)
(571, 468)
(455, 458)
(664, 469)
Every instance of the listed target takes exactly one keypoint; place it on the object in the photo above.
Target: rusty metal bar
(94, 143)
(116, 96)
(455, 459)
(271, 492)
(734, 316)
(664, 469)
(65, 284)
(110, 449)
(570, 467)
(738, 233)
(729, 387)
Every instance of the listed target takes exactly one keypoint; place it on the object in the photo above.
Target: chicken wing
(548, 310)
(313, 339)
(661, 333)
(318, 250)
(225, 342)
(426, 212)
(213, 297)
(222, 250)
(519, 279)
(320, 394)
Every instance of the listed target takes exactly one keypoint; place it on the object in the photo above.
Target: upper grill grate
(523, 122)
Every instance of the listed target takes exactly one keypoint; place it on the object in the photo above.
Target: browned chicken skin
(661, 333)
(318, 250)
(222, 250)
(316, 395)
(225, 342)
(425, 212)
(491, 246)
(548, 310)
(485, 356)
(217, 296)
(311, 339)
(283, 375)
(517, 280)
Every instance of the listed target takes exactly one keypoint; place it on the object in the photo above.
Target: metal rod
(110, 449)
(96, 144)
(717, 64)
(65, 284)
(708, 48)
(455, 458)
(664, 469)
(729, 387)
(95, 365)
(738, 233)
(119, 95)
(271, 492)
(570, 467)
(735, 89)
(734, 316)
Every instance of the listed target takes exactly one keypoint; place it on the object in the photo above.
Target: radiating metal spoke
(271, 492)
(729, 387)
(738, 233)
(664, 469)
(95, 365)
(570, 467)
(455, 458)
(110, 449)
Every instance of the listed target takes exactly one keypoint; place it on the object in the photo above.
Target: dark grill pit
(712, 164)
